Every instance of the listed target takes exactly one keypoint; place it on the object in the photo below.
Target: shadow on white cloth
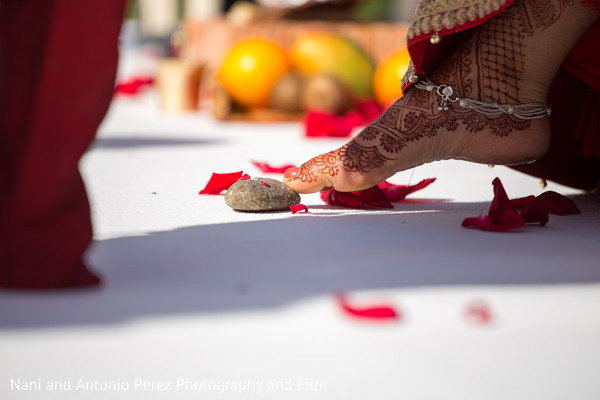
(258, 265)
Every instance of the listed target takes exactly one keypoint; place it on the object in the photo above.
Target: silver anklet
(448, 95)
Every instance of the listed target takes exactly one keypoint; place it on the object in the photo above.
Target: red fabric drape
(573, 158)
(57, 68)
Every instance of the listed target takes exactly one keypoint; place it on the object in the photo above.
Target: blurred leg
(57, 67)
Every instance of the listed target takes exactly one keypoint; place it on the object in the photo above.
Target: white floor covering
(201, 302)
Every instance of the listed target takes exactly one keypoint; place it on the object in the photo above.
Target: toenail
(291, 173)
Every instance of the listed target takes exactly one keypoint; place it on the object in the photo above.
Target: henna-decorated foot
(511, 59)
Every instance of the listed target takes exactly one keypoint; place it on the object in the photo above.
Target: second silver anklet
(448, 95)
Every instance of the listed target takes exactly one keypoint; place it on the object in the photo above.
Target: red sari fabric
(58, 62)
(573, 158)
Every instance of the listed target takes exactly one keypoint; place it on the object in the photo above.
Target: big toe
(306, 179)
(327, 171)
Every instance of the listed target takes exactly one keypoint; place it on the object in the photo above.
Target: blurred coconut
(326, 93)
(286, 95)
(222, 104)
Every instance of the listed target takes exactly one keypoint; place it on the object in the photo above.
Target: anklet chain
(448, 95)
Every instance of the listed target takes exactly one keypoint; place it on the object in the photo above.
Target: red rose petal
(220, 182)
(510, 219)
(500, 203)
(521, 202)
(559, 204)
(470, 222)
(369, 109)
(379, 196)
(298, 208)
(133, 86)
(374, 197)
(342, 199)
(319, 124)
(555, 203)
(382, 311)
(536, 212)
(501, 216)
(268, 169)
(478, 313)
(507, 221)
(363, 199)
(484, 223)
(395, 193)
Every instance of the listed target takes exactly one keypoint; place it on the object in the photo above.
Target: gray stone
(254, 195)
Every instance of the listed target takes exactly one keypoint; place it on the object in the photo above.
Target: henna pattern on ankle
(501, 54)
(501, 47)
(417, 124)
(546, 12)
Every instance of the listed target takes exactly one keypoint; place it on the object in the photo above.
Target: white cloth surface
(199, 300)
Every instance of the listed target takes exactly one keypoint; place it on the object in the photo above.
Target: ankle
(520, 147)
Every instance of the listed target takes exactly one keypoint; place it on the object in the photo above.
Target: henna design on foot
(546, 12)
(356, 158)
(380, 142)
(352, 157)
(488, 65)
(501, 54)
(325, 164)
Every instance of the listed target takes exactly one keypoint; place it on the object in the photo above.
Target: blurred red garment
(58, 63)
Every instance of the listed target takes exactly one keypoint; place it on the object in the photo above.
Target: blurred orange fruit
(387, 78)
(250, 70)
